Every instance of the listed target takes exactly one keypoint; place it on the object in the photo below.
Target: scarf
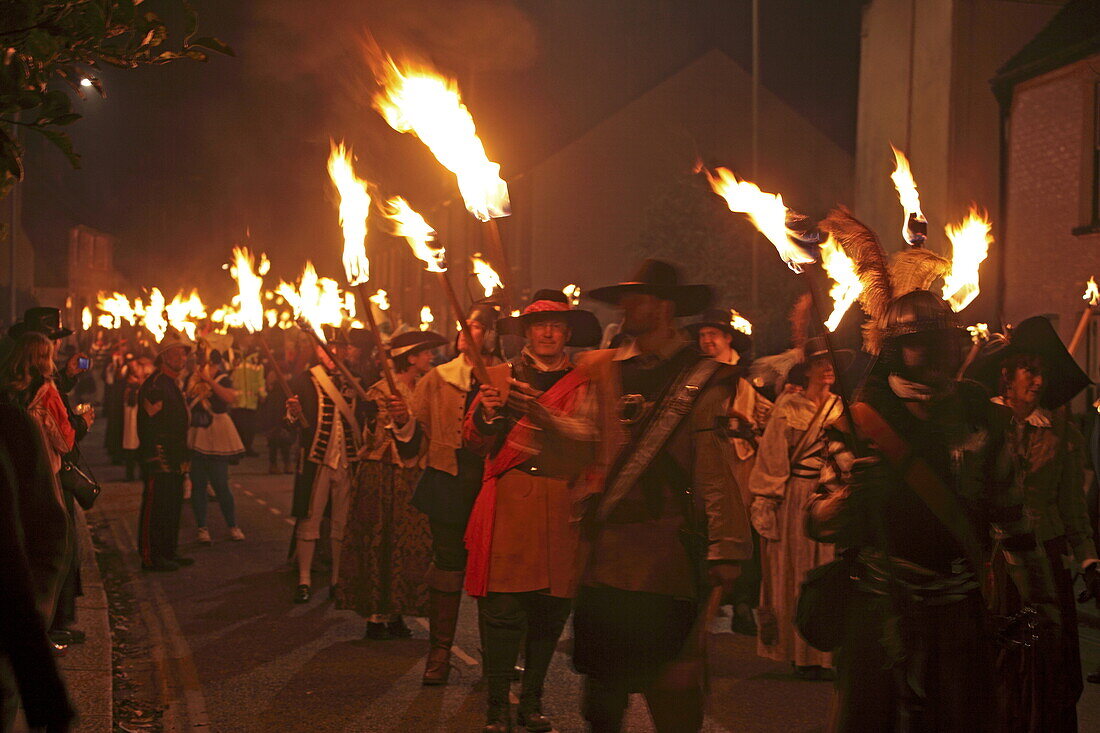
(908, 390)
(517, 448)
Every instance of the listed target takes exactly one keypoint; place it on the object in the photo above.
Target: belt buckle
(631, 408)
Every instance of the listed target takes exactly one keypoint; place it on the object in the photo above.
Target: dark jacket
(163, 436)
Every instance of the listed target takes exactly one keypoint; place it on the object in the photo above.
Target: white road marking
(289, 521)
(455, 648)
(261, 502)
(274, 511)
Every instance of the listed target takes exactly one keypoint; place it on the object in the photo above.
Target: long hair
(30, 357)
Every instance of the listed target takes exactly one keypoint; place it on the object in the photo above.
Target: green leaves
(65, 40)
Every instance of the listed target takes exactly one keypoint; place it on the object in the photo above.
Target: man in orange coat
(522, 546)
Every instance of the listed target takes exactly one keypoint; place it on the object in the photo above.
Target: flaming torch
(354, 210)
(979, 334)
(970, 242)
(914, 229)
(426, 318)
(740, 323)
(1091, 298)
(153, 318)
(846, 283)
(313, 309)
(86, 318)
(486, 276)
(421, 101)
(419, 234)
(250, 282)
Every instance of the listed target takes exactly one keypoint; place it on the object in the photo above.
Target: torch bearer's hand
(491, 401)
(294, 408)
(522, 396)
(399, 411)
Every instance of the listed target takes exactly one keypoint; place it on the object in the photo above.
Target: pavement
(223, 648)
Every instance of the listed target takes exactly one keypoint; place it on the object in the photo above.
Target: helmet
(919, 311)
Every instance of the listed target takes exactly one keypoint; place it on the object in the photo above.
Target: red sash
(517, 448)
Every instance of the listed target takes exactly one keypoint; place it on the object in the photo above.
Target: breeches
(329, 485)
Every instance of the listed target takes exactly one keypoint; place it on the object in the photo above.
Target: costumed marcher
(720, 339)
(387, 543)
(787, 472)
(915, 500)
(522, 544)
(214, 442)
(329, 415)
(162, 432)
(662, 527)
(446, 490)
(1034, 376)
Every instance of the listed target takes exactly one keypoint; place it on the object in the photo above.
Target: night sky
(183, 161)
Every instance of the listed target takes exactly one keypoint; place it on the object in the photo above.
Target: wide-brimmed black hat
(816, 347)
(583, 325)
(1063, 379)
(721, 319)
(659, 279)
(411, 342)
(42, 320)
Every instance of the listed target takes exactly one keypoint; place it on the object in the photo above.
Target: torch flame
(740, 323)
(354, 209)
(417, 232)
(426, 318)
(846, 283)
(969, 247)
(181, 313)
(421, 101)
(979, 332)
(154, 315)
(907, 192)
(486, 275)
(316, 300)
(766, 210)
(250, 283)
(381, 300)
(86, 318)
(1092, 293)
(118, 307)
(573, 292)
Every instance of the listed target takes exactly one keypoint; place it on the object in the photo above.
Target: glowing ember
(1092, 293)
(979, 332)
(426, 318)
(420, 101)
(907, 193)
(740, 323)
(154, 319)
(766, 210)
(486, 275)
(846, 283)
(250, 284)
(417, 232)
(354, 209)
(381, 300)
(573, 292)
(969, 247)
(86, 318)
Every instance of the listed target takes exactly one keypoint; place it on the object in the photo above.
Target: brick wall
(1050, 144)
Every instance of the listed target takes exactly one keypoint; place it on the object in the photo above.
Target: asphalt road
(235, 654)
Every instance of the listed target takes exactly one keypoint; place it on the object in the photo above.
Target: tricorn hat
(1063, 378)
(660, 279)
(720, 319)
(42, 320)
(411, 342)
(583, 325)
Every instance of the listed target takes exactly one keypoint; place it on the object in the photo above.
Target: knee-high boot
(444, 599)
(546, 617)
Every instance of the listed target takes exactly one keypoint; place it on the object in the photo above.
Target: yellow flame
(573, 292)
(86, 318)
(1092, 293)
(970, 242)
(118, 307)
(766, 210)
(105, 321)
(316, 300)
(154, 319)
(417, 232)
(250, 284)
(271, 317)
(979, 332)
(426, 318)
(486, 275)
(183, 312)
(740, 323)
(907, 190)
(516, 312)
(354, 210)
(846, 284)
(420, 101)
(381, 300)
